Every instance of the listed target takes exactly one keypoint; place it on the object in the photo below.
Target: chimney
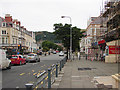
(8, 18)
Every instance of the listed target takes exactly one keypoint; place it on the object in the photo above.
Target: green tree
(47, 45)
(62, 32)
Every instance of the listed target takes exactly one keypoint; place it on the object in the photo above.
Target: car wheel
(39, 60)
(25, 62)
(9, 67)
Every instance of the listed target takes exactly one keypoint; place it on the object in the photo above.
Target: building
(13, 35)
(94, 30)
(112, 36)
(82, 43)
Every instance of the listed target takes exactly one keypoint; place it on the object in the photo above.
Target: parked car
(54, 52)
(4, 62)
(17, 59)
(61, 53)
(32, 57)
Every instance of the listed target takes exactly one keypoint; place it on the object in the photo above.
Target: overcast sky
(40, 15)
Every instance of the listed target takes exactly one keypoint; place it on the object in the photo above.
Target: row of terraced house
(14, 36)
(102, 41)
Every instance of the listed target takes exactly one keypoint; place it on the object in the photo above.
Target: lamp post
(70, 35)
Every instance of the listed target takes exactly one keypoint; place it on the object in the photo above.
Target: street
(18, 76)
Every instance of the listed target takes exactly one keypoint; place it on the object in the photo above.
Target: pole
(70, 35)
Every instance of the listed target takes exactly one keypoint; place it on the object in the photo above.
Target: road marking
(42, 70)
(34, 73)
(34, 63)
(46, 78)
(22, 74)
(41, 82)
(36, 87)
(38, 74)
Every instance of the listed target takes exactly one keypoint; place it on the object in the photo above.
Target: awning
(101, 42)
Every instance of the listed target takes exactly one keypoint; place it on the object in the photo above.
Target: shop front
(112, 51)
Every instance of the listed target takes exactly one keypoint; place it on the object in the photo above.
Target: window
(2, 40)
(95, 32)
(13, 40)
(3, 24)
(16, 41)
(6, 40)
(4, 32)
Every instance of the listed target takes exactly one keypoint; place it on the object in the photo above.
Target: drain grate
(86, 68)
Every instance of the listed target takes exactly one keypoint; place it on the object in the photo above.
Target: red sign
(114, 49)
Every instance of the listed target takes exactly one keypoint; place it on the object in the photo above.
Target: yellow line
(41, 82)
(34, 73)
(22, 74)
(38, 74)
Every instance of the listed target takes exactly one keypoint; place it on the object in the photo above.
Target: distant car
(61, 53)
(17, 59)
(57, 51)
(54, 52)
(32, 57)
(4, 62)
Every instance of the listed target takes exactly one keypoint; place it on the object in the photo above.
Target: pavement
(85, 73)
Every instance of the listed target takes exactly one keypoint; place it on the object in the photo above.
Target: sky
(41, 15)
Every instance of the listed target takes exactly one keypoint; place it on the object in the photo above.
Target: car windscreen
(30, 54)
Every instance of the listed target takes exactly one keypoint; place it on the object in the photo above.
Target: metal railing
(47, 78)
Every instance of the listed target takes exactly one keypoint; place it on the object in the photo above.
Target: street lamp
(70, 35)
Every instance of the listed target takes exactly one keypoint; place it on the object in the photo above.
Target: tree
(47, 45)
(62, 32)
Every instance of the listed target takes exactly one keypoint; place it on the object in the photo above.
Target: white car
(4, 62)
(61, 53)
(33, 57)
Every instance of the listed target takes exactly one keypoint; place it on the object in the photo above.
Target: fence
(47, 78)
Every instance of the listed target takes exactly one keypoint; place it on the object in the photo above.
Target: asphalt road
(18, 76)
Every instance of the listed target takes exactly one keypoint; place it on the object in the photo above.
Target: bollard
(56, 70)
(49, 77)
(29, 86)
(86, 56)
(79, 57)
(60, 65)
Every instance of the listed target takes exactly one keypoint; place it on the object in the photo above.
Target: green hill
(44, 35)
